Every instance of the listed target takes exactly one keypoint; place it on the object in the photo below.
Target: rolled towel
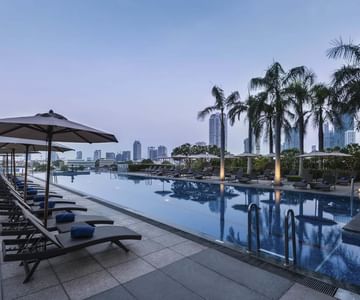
(51, 204)
(65, 218)
(31, 192)
(82, 231)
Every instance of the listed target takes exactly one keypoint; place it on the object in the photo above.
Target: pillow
(65, 218)
(82, 231)
(51, 204)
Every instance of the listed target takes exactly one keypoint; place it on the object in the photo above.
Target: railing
(290, 213)
(251, 207)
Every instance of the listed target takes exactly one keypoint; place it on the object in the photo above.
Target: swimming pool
(220, 212)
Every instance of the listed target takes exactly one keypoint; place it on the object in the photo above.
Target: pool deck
(165, 264)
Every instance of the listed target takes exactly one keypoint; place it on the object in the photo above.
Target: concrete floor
(163, 265)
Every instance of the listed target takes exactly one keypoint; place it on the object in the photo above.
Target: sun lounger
(45, 244)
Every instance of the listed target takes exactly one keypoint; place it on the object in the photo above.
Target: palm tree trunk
(271, 138)
(222, 148)
(277, 179)
(321, 134)
(249, 160)
(301, 145)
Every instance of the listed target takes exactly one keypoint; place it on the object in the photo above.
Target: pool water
(220, 212)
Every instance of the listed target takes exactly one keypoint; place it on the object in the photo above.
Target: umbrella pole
(26, 171)
(7, 164)
(47, 185)
(14, 167)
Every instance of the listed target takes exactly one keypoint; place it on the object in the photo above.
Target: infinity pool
(220, 213)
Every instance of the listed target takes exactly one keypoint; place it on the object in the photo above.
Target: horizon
(147, 69)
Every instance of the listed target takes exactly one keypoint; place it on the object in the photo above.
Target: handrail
(250, 209)
(290, 213)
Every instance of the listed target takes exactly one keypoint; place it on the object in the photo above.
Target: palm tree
(236, 108)
(322, 110)
(299, 93)
(220, 106)
(273, 84)
(346, 80)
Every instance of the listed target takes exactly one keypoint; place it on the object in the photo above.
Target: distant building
(137, 151)
(254, 143)
(292, 141)
(110, 155)
(118, 157)
(152, 153)
(97, 154)
(349, 137)
(200, 144)
(313, 148)
(106, 162)
(80, 163)
(126, 155)
(335, 137)
(161, 152)
(54, 156)
(88, 159)
(246, 145)
(79, 155)
(215, 130)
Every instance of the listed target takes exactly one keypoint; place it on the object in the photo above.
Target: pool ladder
(290, 215)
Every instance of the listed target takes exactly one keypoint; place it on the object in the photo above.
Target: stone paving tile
(207, 283)
(169, 239)
(346, 295)
(84, 287)
(12, 268)
(300, 292)
(68, 257)
(188, 248)
(114, 257)
(162, 258)
(130, 270)
(104, 247)
(156, 285)
(77, 268)
(53, 293)
(13, 287)
(147, 229)
(116, 293)
(264, 282)
(145, 247)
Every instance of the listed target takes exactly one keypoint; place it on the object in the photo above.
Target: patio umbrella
(52, 127)
(246, 154)
(28, 146)
(203, 156)
(324, 154)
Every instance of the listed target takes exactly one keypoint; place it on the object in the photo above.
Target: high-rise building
(255, 145)
(292, 141)
(161, 152)
(200, 144)
(349, 137)
(118, 157)
(215, 130)
(97, 154)
(137, 151)
(246, 145)
(79, 155)
(335, 137)
(54, 156)
(152, 153)
(110, 155)
(313, 148)
(126, 155)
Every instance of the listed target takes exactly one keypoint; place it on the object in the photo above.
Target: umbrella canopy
(52, 127)
(179, 156)
(203, 156)
(246, 154)
(20, 145)
(324, 154)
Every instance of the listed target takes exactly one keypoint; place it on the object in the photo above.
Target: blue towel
(31, 191)
(51, 204)
(65, 218)
(38, 198)
(82, 231)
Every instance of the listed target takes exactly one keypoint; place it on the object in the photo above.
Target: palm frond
(205, 112)
(349, 51)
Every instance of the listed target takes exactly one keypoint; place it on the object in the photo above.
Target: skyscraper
(335, 137)
(110, 155)
(97, 154)
(152, 153)
(161, 152)
(215, 130)
(126, 155)
(349, 137)
(292, 141)
(137, 151)
(79, 155)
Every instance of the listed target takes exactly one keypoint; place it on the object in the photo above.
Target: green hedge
(293, 178)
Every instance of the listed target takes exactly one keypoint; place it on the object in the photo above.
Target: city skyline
(103, 65)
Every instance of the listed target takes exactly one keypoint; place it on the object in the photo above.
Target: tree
(346, 80)
(220, 106)
(273, 85)
(236, 108)
(322, 110)
(299, 93)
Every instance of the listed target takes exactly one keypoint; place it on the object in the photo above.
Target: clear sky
(143, 69)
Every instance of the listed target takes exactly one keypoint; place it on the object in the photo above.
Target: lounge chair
(304, 183)
(45, 244)
(241, 178)
(344, 180)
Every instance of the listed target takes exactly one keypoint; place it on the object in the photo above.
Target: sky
(143, 69)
